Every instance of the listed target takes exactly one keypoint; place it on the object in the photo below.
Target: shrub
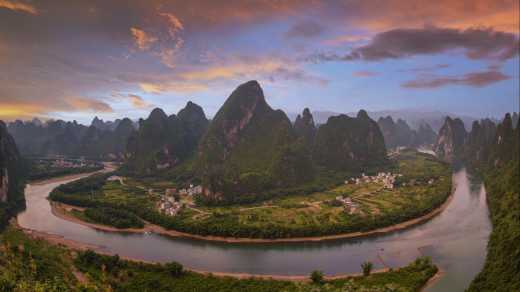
(367, 268)
(317, 277)
(174, 269)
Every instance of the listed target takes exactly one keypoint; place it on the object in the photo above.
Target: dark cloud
(476, 79)
(305, 29)
(477, 43)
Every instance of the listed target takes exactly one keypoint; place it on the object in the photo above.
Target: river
(455, 239)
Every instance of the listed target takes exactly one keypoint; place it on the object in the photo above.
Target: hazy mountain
(399, 134)
(98, 141)
(414, 118)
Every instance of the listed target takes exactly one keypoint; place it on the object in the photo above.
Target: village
(384, 178)
(170, 202)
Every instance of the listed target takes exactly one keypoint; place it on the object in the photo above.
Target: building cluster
(169, 206)
(68, 163)
(348, 205)
(386, 178)
(191, 190)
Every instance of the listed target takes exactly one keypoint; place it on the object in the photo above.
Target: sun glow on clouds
(18, 6)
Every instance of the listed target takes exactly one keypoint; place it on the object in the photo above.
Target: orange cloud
(138, 102)
(79, 103)
(384, 15)
(143, 40)
(18, 6)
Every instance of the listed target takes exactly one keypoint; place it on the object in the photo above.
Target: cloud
(476, 79)
(162, 38)
(172, 86)
(15, 108)
(342, 39)
(18, 6)
(305, 29)
(143, 40)
(175, 24)
(139, 102)
(364, 74)
(78, 103)
(477, 43)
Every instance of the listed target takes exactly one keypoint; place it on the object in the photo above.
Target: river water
(455, 239)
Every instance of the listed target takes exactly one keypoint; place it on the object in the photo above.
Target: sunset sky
(77, 59)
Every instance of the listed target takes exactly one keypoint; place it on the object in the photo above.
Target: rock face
(163, 141)
(451, 140)
(9, 165)
(249, 147)
(346, 144)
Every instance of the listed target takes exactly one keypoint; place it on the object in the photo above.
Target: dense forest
(501, 172)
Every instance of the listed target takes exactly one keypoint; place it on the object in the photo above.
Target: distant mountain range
(56, 137)
(414, 118)
(249, 149)
(488, 142)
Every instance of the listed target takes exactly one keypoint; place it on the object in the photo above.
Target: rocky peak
(304, 125)
(192, 113)
(157, 114)
(363, 114)
(451, 139)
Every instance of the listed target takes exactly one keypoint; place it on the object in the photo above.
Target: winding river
(455, 239)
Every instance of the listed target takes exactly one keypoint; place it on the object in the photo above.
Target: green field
(424, 184)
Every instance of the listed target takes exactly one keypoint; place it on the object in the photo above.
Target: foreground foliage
(30, 265)
(502, 267)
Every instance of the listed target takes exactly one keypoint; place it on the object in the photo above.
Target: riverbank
(79, 246)
(62, 211)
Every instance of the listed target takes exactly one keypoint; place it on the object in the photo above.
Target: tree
(317, 277)
(367, 268)
(175, 269)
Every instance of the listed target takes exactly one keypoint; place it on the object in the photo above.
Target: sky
(74, 60)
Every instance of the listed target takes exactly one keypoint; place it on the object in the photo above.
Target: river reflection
(455, 239)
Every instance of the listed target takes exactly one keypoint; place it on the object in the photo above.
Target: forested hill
(11, 181)
(498, 160)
